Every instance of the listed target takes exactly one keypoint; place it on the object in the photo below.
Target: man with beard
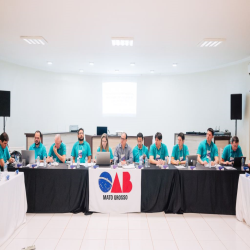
(81, 148)
(39, 148)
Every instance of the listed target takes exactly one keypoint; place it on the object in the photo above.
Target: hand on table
(204, 163)
(11, 160)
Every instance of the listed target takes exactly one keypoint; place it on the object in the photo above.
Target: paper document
(230, 168)
(130, 166)
(179, 166)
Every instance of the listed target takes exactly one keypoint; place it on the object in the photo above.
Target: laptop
(192, 160)
(237, 161)
(103, 159)
(101, 130)
(28, 155)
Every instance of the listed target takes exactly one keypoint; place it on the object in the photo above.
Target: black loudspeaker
(236, 107)
(4, 103)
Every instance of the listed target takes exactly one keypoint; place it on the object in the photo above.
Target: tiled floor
(130, 231)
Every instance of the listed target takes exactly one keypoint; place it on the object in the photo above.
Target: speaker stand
(235, 127)
(4, 124)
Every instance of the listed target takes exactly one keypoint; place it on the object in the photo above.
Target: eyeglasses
(123, 138)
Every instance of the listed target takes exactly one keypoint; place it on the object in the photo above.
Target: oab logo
(106, 184)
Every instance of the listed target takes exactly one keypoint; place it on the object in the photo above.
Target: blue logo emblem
(105, 182)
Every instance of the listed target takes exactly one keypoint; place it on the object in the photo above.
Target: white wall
(51, 102)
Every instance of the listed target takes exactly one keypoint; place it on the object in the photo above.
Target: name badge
(158, 157)
(208, 154)
(80, 153)
(123, 157)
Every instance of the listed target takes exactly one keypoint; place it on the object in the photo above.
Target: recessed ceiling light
(152, 71)
(211, 42)
(81, 70)
(132, 64)
(122, 41)
(34, 40)
(174, 64)
(91, 64)
(49, 63)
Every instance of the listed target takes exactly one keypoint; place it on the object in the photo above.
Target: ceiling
(164, 32)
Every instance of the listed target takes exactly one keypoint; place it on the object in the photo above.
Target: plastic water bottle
(140, 160)
(146, 162)
(78, 162)
(71, 160)
(186, 165)
(5, 169)
(44, 161)
(38, 161)
(86, 161)
(209, 162)
(242, 164)
(17, 158)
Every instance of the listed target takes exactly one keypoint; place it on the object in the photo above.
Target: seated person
(57, 152)
(207, 150)
(140, 149)
(180, 151)
(123, 151)
(231, 151)
(4, 151)
(39, 148)
(81, 148)
(158, 152)
(104, 146)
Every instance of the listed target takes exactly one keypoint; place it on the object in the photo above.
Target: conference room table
(202, 190)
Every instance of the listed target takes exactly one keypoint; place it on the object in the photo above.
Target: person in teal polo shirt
(207, 150)
(81, 148)
(158, 152)
(231, 151)
(4, 151)
(104, 146)
(180, 151)
(140, 149)
(57, 152)
(39, 148)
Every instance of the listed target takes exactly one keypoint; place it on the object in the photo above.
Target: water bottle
(44, 161)
(17, 158)
(86, 161)
(209, 162)
(140, 160)
(78, 162)
(166, 160)
(242, 164)
(186, 165)
(5, 169)
(38, 161)
(146, 162)
(71, 160)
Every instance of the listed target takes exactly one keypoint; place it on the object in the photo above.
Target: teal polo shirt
(204, 147)
(228, 153)
(39, 151)
(137, 153)
(61, 151)
(162, 151)
(4, 154)
(110, 151)
(81, 150)
(177, 153)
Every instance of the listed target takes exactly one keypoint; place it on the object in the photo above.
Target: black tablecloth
(56, 189)
(160, 190)
(61, 190)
